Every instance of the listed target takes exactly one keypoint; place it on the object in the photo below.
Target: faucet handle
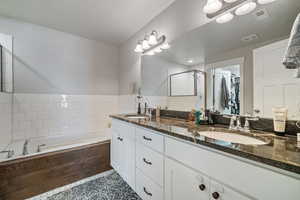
(39, 147)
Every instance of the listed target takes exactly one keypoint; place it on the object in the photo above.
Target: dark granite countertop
(280, 152)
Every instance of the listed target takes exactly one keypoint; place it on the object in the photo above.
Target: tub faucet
(39, 147)
(25, 148)
(10, 153)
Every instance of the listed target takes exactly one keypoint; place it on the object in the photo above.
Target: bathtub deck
(27, 177)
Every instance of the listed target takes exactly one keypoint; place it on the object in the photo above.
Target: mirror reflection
(242, 61)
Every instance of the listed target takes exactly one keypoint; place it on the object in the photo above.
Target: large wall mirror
(242, 61)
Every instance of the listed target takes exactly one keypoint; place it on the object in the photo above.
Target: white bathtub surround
(52, 144)
(5, 119)
(50, 115)
(44, 196)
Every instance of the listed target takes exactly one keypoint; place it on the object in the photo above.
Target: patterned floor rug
(111, 187)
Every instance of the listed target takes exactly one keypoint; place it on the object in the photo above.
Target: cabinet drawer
(147, 189)
(150, 139)
(150, 163)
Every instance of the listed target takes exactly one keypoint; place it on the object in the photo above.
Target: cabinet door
(184, 183)
(220, 192)
(127, 159)
(114, 151)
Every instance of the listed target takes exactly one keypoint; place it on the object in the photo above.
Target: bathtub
(51, 144)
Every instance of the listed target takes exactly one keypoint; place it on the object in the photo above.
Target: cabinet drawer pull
(202, 187)
(121, 139)
(148, 193)
(147, 162)
(146, 138)
(216, 195)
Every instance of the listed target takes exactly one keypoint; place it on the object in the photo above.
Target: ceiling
(214, 39)
(112, 21)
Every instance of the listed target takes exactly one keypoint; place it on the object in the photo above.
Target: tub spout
(10, 153)
(39, 147)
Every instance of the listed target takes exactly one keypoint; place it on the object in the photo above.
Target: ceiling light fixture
(152, 44)
(265, 1)
(212, 6)
(225, 18)
(190, 61)
(245, 9)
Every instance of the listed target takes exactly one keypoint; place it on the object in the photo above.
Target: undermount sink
(133, 116)
(232, 137)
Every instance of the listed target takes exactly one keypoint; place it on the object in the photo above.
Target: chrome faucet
(10, 153)
(39, 147)
(233, 118)
(25, 148)
(235, 122)
(247, 124)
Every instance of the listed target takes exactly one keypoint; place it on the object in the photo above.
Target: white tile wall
(38, 115)
(5, 119)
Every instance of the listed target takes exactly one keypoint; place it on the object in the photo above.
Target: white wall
(50, 61)
(64, 84)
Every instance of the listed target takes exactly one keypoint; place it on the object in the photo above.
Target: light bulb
(225, 18)
(230, 1)
(165, 46)
(139, 48)
(157, 50)
(246, 8)
(145, 44)
(265, 1)
(153, 38)
(212, 6)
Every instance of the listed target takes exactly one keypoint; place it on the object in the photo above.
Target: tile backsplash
(46, 115)
(5, 119)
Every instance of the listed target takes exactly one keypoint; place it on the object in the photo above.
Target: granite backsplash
(263, 124)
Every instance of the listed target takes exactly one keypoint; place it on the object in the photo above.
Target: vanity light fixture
(231, 8)
(152, 44)
(153, 38)
(212, 6)
(139, 47)
(145, 44)
(245, 9)
(230, 1)
(225, 18)
(265, 1)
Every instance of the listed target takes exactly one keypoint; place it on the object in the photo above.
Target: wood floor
(27, 177)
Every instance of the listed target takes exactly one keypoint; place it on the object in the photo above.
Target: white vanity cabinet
(123, 151)
(183, 182)
(161, 167)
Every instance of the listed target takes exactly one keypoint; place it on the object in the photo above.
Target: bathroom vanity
(161, 160)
